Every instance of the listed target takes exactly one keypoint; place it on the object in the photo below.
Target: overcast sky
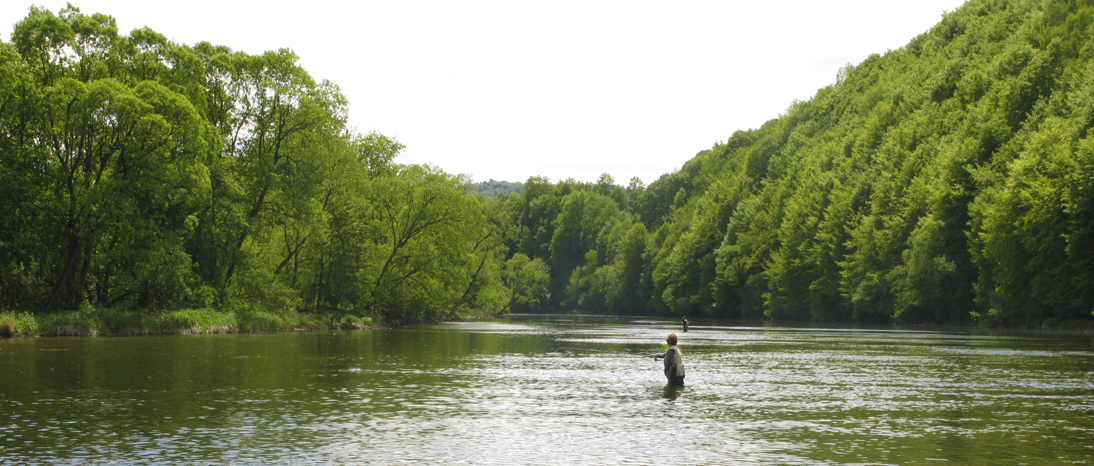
(512, 89)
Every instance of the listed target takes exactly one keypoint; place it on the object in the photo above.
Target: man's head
(671, 340)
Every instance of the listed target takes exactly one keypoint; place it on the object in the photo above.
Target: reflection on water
(671, 392)
(550, 391)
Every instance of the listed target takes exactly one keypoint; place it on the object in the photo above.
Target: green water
(539, 390)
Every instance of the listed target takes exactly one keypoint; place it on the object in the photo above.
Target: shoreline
(106, 322)
(115, 323)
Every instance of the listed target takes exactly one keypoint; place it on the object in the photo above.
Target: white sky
(560, 88)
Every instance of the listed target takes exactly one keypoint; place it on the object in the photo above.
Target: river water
(550, 390)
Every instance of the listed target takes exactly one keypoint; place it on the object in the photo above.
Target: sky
(510, 89)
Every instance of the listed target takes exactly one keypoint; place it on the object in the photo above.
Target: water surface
(550, 390)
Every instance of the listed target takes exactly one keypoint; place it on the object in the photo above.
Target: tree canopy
(143, 174)
(944, 181)
(947, 181)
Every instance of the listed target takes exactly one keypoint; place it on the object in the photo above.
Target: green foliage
(93, 321)
(947, 180)
(527, 280)
(583, 215)
(943, 181)
(416, 262)
(494, 188)
(142, 176)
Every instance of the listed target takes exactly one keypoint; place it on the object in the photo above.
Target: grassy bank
(95, 322)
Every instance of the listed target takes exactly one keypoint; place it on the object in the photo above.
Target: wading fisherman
(674, 361)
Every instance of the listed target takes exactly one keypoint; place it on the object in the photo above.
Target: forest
(948, 181)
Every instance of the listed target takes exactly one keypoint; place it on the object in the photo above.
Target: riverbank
(107, 322)
(104, 322)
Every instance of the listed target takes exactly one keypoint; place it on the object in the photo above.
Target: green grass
(96, 321)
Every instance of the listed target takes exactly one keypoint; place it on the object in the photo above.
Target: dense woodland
(143, 174)
(951, 180)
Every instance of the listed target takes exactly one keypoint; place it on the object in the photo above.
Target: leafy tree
(117, 166)
(527, 281)
(420, 223)
(142, 173)
(582, 216)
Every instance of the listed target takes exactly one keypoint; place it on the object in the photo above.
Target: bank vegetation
(948, 181)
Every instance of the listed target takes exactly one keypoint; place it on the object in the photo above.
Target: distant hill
(495, 188)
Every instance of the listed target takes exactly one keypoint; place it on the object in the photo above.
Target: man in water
(674, 361)
(685, 324)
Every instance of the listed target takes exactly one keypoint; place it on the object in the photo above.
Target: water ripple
(550, 392)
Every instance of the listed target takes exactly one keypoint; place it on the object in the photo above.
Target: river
(551, 390)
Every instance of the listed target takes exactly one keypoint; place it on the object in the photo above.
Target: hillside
(947, 180)
(951, 176)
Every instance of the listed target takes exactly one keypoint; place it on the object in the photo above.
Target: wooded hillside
(951, 178)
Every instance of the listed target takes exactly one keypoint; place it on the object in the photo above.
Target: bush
(257, 321)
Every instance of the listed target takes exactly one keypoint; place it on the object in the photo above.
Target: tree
(576, 228)
(527, 281)
(422, 227)
(119, 166)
